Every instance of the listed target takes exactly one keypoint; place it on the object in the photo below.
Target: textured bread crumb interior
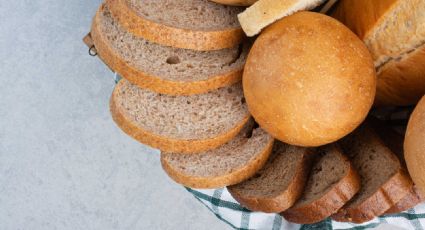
(374, 162)
(165, 62)
(182, 117)
(188, 14)
(234, 155)
(275, 177)
(265, 12)
(326, 172)
(401, 32)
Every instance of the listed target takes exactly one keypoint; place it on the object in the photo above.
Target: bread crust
(292, 101)
(413, 198)
(201, 40)
(414, 145)
(402, 82)
(233, 177)
(384, 198)
(328, 204)
(284, 200)
(154, 83)
(392, 33)
(235, 2)
(169, 144)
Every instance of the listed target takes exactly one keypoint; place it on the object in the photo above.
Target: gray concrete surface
(63, 162)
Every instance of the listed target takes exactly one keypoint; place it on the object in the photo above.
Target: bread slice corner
(228, 164)
(265, 12)
(333, 181)
(279, 183)
(383, 181)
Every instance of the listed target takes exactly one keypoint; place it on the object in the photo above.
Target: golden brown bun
(202, 40)
(414, 145)
(235, 2)
(309, 80)
(393, 32)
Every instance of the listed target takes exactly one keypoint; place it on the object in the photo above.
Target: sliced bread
(383, 180)
(265, 12)
(413, 198)
(228, 164)
(394, 142)
(164, 69)
(332, 182)
(183, 124)
(279, 183)
(188, 24)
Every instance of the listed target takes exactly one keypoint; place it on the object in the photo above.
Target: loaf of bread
(163, 69)
(228, 164)
(332, 182)
(184, 124)
(394, 33)
(279, 183)
(383, 180)
(189, 24)
(414, 145)
(309, 80)
(265, 12)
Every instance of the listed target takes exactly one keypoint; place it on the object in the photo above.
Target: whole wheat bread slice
(164, 69)
(279, 183)
(332, 182)
(383, 180)
(265, 12)
(228, 164)
(394, 141)
(189, 24)
(183, 124)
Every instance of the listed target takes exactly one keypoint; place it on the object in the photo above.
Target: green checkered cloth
(227, 209)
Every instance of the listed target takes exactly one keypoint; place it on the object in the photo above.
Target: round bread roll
(235, 2)
(309, 80)
(414, 145)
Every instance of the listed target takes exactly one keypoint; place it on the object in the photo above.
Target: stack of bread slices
(181, 92)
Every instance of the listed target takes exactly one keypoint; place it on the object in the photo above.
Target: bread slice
(394, 141)
(265, 12)
(228, 164)
(394, 33)
(279, 184)
(413, 198)
(235, 2)
(184, 124)
(383, 180)
(164, 69)
(189, 24)
(332, 182)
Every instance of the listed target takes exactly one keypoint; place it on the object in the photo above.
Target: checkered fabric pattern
(227, 209)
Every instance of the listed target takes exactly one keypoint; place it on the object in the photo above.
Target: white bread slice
(228, 164)
(183, 124)
(265, 12)
(188, 24)
(164, 69)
